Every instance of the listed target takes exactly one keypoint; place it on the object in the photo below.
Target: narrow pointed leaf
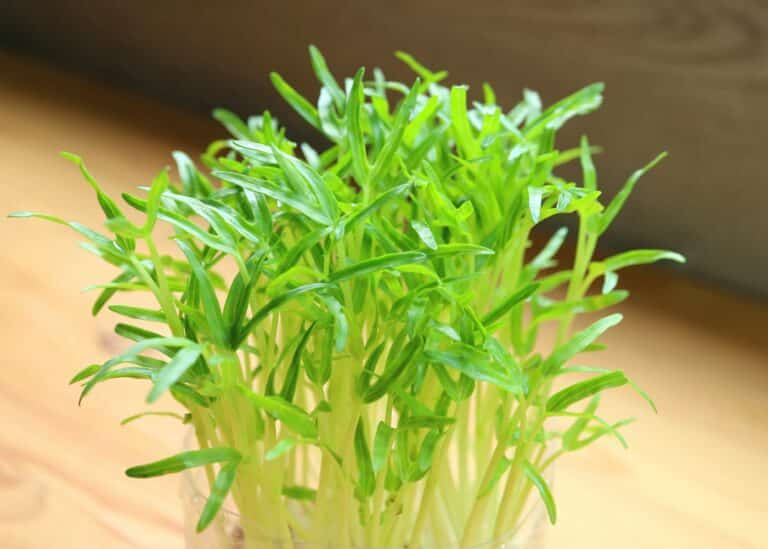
(183, 461)
(174, 370)
(615, 206)
(211, 305)
(380, 263)
(366, 480)
(219, 491)
(506, 305)
(355, 130)
(541, 485)
(326, 78)
(578, 343)
(276, 302)
(305, 109)
(585, 389)
(292, 416)
(138, 313)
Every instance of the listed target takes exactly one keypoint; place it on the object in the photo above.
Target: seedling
(353, 331)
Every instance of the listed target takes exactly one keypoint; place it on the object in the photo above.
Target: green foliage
(340, 325)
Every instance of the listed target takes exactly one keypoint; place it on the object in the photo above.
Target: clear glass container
(227, 530)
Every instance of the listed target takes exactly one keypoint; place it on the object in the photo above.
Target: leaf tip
(133, 472)
(678, 258)
(72, 157)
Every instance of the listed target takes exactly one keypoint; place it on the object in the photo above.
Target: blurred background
(687, 76)
(125, 83)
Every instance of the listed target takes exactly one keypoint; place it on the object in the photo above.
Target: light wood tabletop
(694, 475)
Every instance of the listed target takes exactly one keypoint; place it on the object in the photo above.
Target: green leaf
(107, 293)
(393, 371)
(108, 205)
(326, 78)
(585, 305)
(340, 323)
(386, 158)
(589, 174)
(280, 448)
(131, 419)
(615, 206)
(543, 259)
(192, 181)
(632, 258)
(578, 343)
(426, 454)
(381, 444)
(238, 298)
(368, 266)
(507, 303)
(585, 389)
(366, 479)
(124, 228)
(211, 308)
(291, 416)
(606, 429)
(425, 422)
(160, 344)
(185, 226)
(232, 123)
(477, 366)
(535, 195)
(85, 373)
(303, 176)
(134, 333)
(276, 302)
(427, 75)
(541, 485)
(261, 186)
(581, 102)
(421, 119)
(610, 279)
(451, 250)
(159, 185)
(305, 109)
(591, 370)
(174, 370)
(501, 467)
(298, 249)
(462, 130)
(355, 130)
(375, 205)
(219, 491)
(183, 461)
(105, 248)
(225, 221)
(138, 313)
(301, 493)
(571, 435)
(292, 375)
(425, 234)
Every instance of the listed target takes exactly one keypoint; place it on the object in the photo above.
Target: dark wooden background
(686, 76)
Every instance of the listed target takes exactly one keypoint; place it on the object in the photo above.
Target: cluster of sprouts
(352, 331)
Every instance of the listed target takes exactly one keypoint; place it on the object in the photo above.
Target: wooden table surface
(694, 476)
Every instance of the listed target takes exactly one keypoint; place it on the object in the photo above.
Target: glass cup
(227, 530)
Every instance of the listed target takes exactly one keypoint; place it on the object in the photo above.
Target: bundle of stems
(352, 331)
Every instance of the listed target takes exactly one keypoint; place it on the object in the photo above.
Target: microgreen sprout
(354, 330)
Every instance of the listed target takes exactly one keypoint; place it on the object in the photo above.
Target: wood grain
(694, 476)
